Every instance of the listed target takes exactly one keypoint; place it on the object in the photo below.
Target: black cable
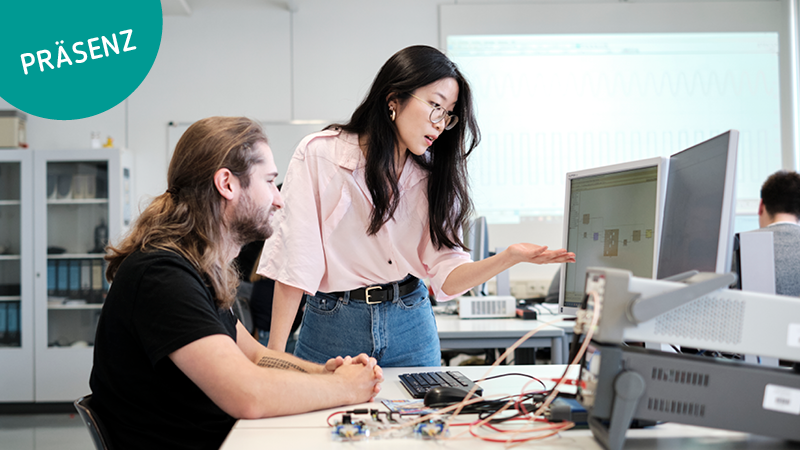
(522, 409)
(573, 347)
(518, 374)
(486, 406)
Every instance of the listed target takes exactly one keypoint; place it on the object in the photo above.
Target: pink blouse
(320, 241)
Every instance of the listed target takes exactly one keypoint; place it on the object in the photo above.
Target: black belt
(381, 292)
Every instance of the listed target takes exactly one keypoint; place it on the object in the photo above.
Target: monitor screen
(477, 239)
(551, 104)
(699, 207)
(611, 219)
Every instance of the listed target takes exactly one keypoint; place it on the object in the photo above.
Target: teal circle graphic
(72, 60)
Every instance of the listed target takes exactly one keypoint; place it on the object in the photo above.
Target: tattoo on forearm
(276, 363)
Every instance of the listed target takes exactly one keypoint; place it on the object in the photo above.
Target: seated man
(779, 212)
(173, 368)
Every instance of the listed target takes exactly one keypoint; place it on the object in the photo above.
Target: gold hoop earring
(394, 114)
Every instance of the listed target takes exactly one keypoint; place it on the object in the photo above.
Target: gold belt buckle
(366, 292)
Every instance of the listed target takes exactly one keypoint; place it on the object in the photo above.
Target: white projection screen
(570, 86)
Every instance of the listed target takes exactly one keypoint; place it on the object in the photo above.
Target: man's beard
(251, 221)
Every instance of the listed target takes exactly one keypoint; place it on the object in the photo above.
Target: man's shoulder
(152, 255)
(786, 233)
(158, 274)
(144, 261)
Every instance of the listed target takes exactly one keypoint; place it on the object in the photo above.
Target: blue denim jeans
(400, 333)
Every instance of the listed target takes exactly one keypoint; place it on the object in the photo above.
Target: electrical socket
(537, 288)
(529, 288)
(519, 289)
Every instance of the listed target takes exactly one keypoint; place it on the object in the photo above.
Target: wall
(229, 59)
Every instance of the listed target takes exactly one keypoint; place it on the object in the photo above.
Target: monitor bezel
(477, 239)
(724, 256)
(662, 165)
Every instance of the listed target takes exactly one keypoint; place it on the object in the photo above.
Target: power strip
(487, 306)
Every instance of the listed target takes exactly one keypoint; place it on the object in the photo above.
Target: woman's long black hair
(449, 205)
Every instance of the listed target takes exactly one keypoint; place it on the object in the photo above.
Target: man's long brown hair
(187, 219)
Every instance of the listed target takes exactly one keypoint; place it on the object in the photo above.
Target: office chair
(93, 423)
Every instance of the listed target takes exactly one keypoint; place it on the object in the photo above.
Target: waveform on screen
(542, 158)
(523, 84)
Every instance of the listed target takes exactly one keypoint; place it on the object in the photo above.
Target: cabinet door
(74, 191)
(16, 277)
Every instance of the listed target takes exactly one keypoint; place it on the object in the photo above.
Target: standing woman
(374, 206)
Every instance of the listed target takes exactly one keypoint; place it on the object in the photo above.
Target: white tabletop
(391, 389)
(310, 431)
(450, 325)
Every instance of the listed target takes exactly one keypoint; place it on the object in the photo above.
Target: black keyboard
(418, 384)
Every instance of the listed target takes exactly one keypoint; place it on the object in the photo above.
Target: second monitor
(699, 208)
(612, 218)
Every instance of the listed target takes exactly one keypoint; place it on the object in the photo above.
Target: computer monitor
(699, 207)
(612, 218)
(477, 239)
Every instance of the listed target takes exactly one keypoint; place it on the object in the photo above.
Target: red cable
(329, 417)
(556, 429)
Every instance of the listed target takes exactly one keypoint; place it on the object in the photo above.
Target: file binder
(12, 329)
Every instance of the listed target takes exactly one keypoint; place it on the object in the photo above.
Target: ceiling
(185, 7)
(176, 8)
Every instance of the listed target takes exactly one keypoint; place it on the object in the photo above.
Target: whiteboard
(283, 138)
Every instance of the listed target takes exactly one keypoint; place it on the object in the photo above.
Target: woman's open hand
(539, 254)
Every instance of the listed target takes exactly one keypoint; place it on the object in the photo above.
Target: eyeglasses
(438, 114)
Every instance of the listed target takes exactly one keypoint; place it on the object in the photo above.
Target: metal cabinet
(77, 207)
(16, 276)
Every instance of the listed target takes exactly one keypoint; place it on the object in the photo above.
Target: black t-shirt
(157, 304)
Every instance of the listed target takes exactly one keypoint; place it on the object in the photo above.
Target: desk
(456, 333)
(309, 431)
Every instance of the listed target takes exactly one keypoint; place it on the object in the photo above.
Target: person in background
(173, 367)
(373, 207)
(259, 294)
(779, 212)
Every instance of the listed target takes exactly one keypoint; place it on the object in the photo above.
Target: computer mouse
(441, 396)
